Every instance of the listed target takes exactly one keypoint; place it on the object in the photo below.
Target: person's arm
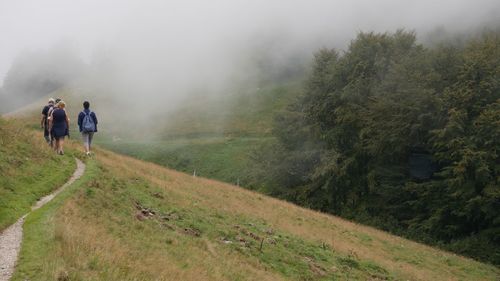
(95, 120)
(50, 120)
(80, 120)
(42, 122)
(67, 119)
(44, 117)
(67, 122)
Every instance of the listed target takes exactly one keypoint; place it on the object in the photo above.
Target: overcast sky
(218, 26)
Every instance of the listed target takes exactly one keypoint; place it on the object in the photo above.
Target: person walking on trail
(87, 122)
(59, 126)
(44, 123)
(52, 143)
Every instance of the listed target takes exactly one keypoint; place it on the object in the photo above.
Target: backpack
(88, 124)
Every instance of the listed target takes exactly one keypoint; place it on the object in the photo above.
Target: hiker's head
(86, 104)
(52, 101)
(61, 104)
(58, 100)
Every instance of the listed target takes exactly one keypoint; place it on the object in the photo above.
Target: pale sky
(220, 27)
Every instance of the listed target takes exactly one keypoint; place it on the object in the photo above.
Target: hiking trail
(11, 237)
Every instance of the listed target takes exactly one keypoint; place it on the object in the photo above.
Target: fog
(149, 56)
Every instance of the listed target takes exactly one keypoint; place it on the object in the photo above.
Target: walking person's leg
(61, 146)
(56, 146)
(86, 139)
(46, 135)
(54, 140)
(91, 136)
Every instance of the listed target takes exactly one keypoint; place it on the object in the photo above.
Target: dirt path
(11, 238)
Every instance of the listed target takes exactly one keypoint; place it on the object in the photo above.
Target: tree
(349, 144)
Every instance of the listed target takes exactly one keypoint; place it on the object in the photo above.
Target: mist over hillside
(34, 74)
(149, 58)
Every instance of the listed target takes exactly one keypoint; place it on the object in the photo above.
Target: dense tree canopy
(400, 136)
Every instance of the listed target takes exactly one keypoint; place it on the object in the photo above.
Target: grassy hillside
(131, 220)
(29, 169)
(243, 113)
(223, 158)
(214, 136)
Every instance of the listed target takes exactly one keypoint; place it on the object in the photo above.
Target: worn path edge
(11, 237)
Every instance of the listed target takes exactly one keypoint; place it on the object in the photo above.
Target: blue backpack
(88, 124)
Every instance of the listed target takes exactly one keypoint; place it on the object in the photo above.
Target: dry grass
(88, 241)
(81, 238)
(405, 258)
(95, 234)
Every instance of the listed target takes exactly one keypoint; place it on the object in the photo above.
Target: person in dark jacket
(59, 125)
(87, 123)
(44, 123)
(49, 113)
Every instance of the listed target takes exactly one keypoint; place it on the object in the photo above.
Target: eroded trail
(11, 238)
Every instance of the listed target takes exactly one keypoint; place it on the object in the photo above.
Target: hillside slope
(28, 170)
(214, 136)
(132, 220)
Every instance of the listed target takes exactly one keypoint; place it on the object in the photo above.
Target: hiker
(59, 126)
(49, 113)
(87, 122)
(44, 123)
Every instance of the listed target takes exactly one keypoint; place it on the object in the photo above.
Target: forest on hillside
(400, 136)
